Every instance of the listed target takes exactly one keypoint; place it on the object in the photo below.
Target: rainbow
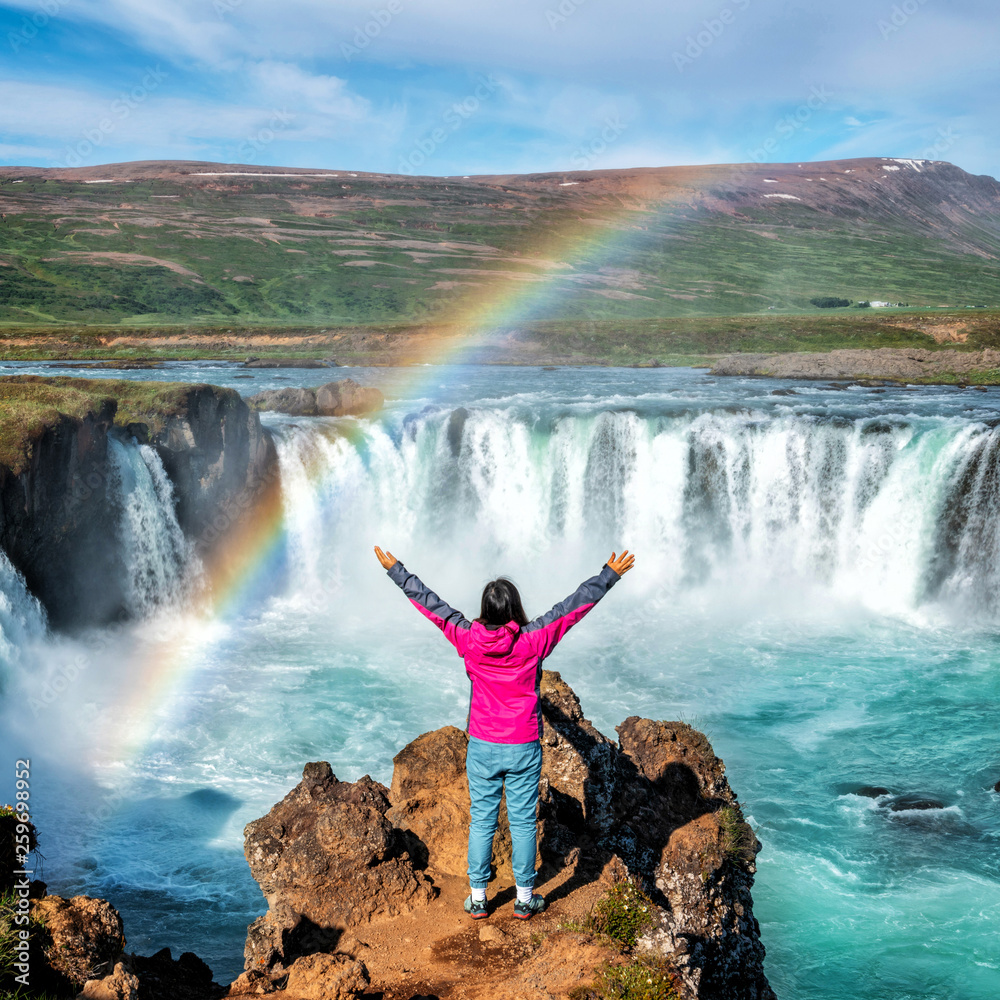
(252, 547)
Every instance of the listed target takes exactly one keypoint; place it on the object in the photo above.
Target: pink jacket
(504, 664)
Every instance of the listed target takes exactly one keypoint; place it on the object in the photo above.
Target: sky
(456, 87)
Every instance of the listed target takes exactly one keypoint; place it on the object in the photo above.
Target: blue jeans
(491, 767)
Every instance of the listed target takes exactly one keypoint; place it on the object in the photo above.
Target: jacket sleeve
(453, 623)
(546, 631)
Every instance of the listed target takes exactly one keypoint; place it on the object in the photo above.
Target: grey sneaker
(525, 911)
(475, 909)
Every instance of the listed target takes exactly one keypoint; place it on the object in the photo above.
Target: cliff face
(60, 515)
(655, 808)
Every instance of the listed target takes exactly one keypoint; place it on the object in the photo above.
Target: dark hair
(501, 604)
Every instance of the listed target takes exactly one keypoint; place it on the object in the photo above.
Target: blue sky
(464, 87)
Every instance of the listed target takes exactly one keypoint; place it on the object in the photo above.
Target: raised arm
(547, 630)
(453, 623)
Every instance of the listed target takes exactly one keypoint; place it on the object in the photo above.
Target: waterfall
(158, 561)
(891, 513)
(22, 618)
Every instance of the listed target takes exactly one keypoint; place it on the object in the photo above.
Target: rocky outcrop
(81, 939)
(892, 364)
(77, 949)
(343, 398)
(60, 509)
(327, 859)
(655, 807)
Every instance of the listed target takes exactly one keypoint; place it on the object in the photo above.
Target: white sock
(478, 895)
(524, 894)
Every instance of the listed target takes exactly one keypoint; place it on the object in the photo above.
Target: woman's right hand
(620, 564)
(387, 559)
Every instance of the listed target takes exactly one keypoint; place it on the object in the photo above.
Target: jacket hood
(494, 641)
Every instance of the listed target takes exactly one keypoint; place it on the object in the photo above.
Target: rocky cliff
(60, 515)
(334, 859)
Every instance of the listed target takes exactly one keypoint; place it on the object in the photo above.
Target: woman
(503, 655)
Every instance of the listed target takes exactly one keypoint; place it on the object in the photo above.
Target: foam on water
(816, 589)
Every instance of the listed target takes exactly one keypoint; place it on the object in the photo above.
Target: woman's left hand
(387, 559)
(621, 564)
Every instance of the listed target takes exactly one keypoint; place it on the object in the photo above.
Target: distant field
(670, 341)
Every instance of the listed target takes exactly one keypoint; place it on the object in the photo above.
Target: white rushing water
(159, 562)
(816, 587)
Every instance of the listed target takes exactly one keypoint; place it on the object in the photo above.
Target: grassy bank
(30, 405)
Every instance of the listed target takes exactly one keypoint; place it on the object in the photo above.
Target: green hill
(161, 243)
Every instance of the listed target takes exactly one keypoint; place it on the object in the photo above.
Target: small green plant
(644, 978)
(622, 914)
(738, 841)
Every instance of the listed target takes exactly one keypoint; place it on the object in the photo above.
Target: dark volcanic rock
(60, 516)
(58, 525)
(162, 977)
(219, 459)
(872, 791)
(903, 803)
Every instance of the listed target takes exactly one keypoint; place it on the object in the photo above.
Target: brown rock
(122, 984)
(684, 831)
(327, 859)
(83, 936)
(347, 398)
(327, 977)
(430, 797)
(578, 770)
(293, 401)
(491, 934)
(252, 983)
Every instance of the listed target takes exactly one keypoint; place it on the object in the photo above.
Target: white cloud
(285, 83)
(64, 124)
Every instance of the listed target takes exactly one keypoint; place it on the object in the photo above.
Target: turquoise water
(816, 589)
